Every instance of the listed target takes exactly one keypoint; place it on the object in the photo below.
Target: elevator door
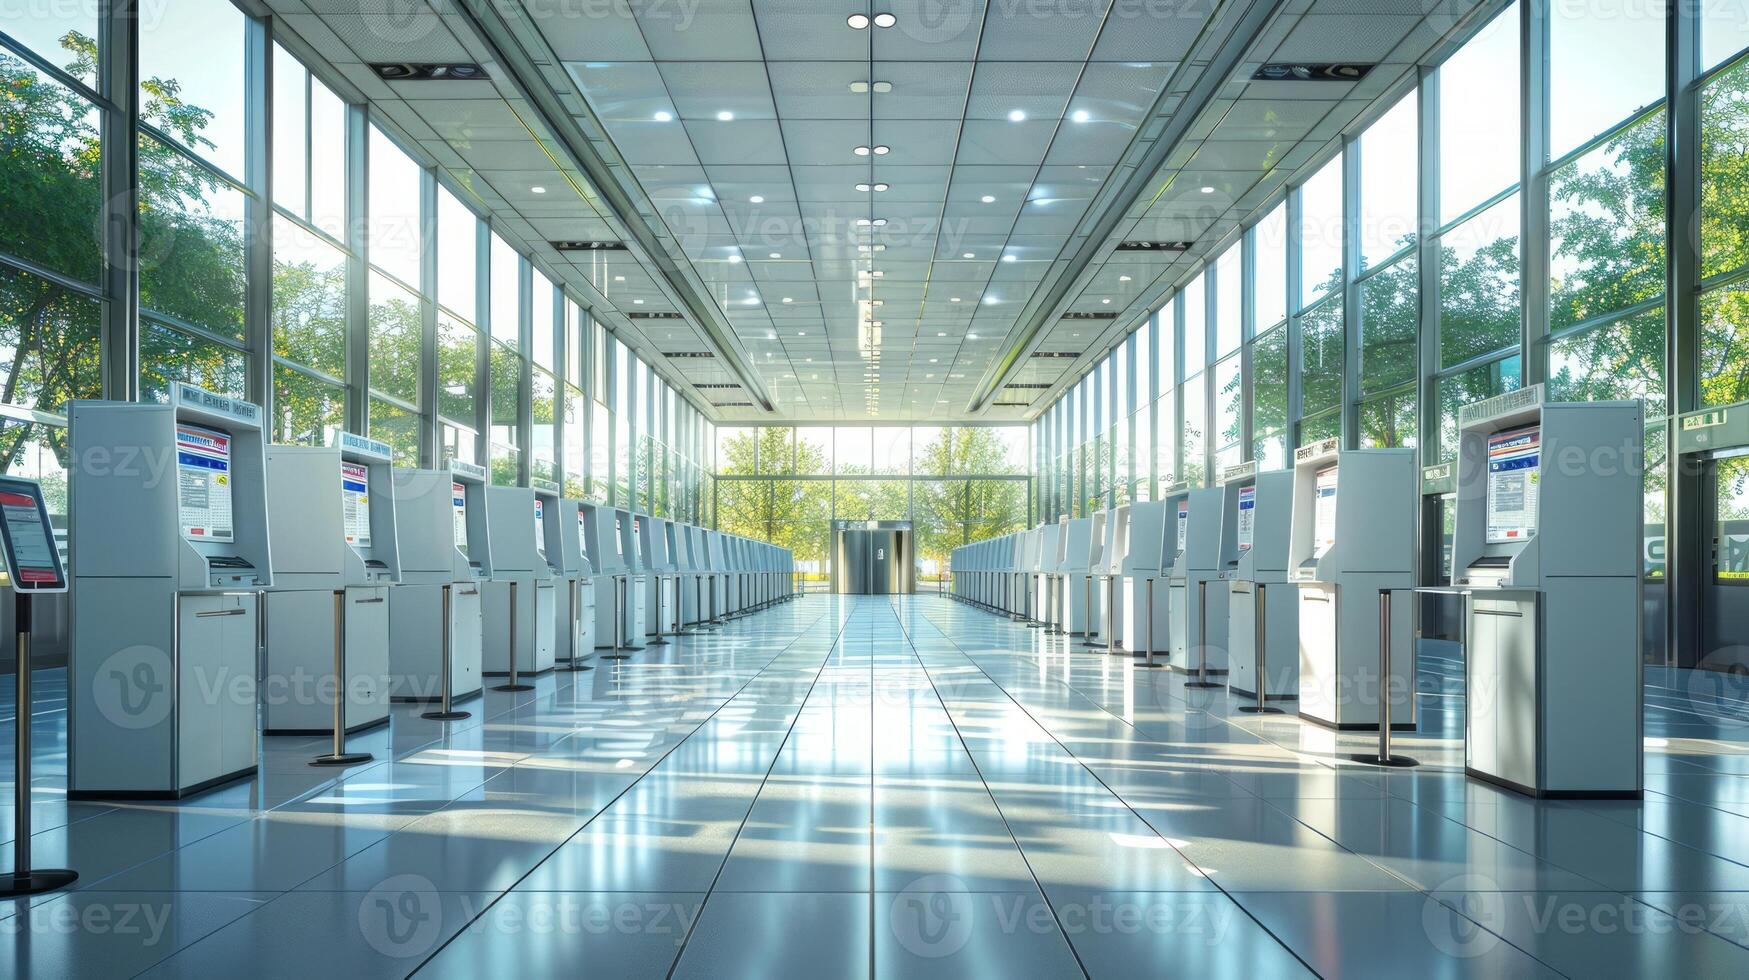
(872, 561)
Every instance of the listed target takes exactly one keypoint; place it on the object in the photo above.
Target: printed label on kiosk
(1183, 521)
(540, 527)
(203, 474)
(1324, 514)
(1247, 516)
(458, 496)
(1514, 475)
(355, 498)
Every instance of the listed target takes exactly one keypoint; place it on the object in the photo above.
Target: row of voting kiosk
(223, 586)
(1300, 584)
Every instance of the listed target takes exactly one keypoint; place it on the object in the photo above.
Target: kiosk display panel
(1183, 522)
(1324, 512)
(1246, 524)
(355, 498)
(203, 482)
(458, 497)
(31, 557)
(1514, 475)
(540, 527)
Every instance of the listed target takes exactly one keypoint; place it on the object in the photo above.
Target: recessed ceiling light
(885, 20)
(858, 22)
(1106, 300)
(989, 301)
(861, 151)
(956, 299)
(864, 188)
(789, 299)
(969, 255)
(619, 278)
(882, 150)
(725, 116)
(771, 336)
(537, 189)
(883, 87)
(756, 199)
(1009, 258)
(801, 333)
(639, 302)
(1208, 190)
(752, 301)
(880, 187)
(734, 260)
(943, 333)
(1081, 115)
(664, 117)
(777, 255)
(1123, 278)
(988, 199)
(1017, 116)
(971, 336)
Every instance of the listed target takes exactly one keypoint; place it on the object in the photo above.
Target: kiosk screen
(1324, 512)
(619, 549)
(1247, 516)
(355, 499)
(31, 554)
(1183, 522)
(540, 527)
(458, 498)
(1513, 475)
(203, 482)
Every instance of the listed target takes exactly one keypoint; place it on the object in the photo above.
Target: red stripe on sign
(17, 499)
(35, 575)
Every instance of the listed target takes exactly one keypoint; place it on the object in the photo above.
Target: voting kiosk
(1197, 591)
(1260, 606)
(331, 520)
(1144, 529)
(695, 568)
(1076, 571)
(621, 579)
(169, 549)
(717, 588)
(1353, 534)
(1112, 527)
(1050, 564)
(574, 612)
(517, 539)
(1546, 550)
(444, 551)
(656, 547)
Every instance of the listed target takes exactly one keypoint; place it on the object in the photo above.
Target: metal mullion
(525, 371)
(281, 213)
(119, 67)
(314, 374)
(395, 400)
(59, 75)
(1351, 312)
(430, 440)
(482, 341)
(1427, 266)
(1295, 341)
(43, 272)
(1247, 350)
(195, 330)
(1635, 118)
(1605, 319)
(1533, 203)
(1479, 209)
(258, 214)
(1686, 531)
(357, 271)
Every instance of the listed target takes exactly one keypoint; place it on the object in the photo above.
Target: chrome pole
(1110, 614)
(1202, 632)
(23, 879)
(513, 684)
(445, 710)
(339, 756)
(1148, 661)
(1260, 636)
(1384, 756)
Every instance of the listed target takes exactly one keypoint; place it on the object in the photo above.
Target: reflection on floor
(898, 786)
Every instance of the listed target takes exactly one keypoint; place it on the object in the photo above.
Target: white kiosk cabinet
(1077, 574)
(1108, 534)
(567, 539)
(331, 517)
(1144, 529)
(1546, 548)
(656, 546)
(614, 540)
(1050, 563)
(1262, 511)
(1172, 538)
(443, 537)
(1198, 575)
(1353, 534)
(169, 550)
(518, 541)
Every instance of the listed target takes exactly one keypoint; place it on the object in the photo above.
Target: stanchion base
(1394, 762)
(343, 759)
(14, 883)
(1203, 684)
(1260, 709)
(655, 641)
(514, 687)
(571, 667)
(446, 715)
(615, 656)
(1035, 626)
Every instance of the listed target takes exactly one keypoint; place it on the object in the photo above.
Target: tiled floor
(907, 787)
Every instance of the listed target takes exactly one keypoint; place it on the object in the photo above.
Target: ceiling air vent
(1028, 385)
(712, 385)
(658, 315)
(568, 245)
(1153, 246)
(731, 404)
(1011, 404)
(1310, 73)
(1056, 353)
(688, 353)
(1090, 315)
(401, 71)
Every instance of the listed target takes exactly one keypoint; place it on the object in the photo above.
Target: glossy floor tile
(893, 787)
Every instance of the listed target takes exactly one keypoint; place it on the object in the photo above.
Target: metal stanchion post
(1260, 634)
(340, 757)
(445, 711)
(576, 662)
(1384, 757)
(1111, 614)
(24, 879)
(620, 586)
(1087, 610)
(513, 684)
(1148, 660)
(659, 640)
(1202, 632)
